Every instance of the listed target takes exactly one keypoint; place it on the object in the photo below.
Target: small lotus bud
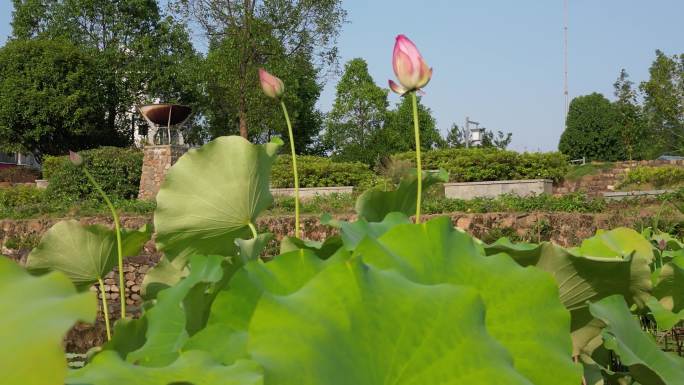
(272, 86)
(75, 158)
(409, 66)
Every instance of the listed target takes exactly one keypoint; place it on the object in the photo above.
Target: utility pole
(565, 61)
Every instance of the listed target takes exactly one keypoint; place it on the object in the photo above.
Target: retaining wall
(492, 189)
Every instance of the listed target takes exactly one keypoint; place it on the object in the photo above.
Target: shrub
(575, 202)
(116, 169)
(654, 176)
(315, 171)
(27, 200)
(483, 164)
(18, 175)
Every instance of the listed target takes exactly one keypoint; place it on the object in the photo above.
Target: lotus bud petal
(409, 67)
(272, 86)
(75, 158)
(397, 88)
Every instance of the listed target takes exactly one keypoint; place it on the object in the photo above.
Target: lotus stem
(119, 247)
(253, 228)
(105, 308)
(294, 168)
(419, 166)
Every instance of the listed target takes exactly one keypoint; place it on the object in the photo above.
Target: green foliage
(569, 203)
(666, 176)
(37, 313)
(137, 54)
(353, 125)
(593, 168)
(482, 164)
(83, 253)
(398, 131)
(49, 99)
(117, 170)
(228, 180)
(591, 130)
(317, 171)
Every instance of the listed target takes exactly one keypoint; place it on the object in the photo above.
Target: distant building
(16, 159)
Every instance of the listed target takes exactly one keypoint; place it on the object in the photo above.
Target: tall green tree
(50, 101)
(141, 55)
(355, 122)
(300, 27)
(664, 102)
(629, 121)
(262, 114)
(456, 137)
(500, 140)
(398, 128)
(590, 130)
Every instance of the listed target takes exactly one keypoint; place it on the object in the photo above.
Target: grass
(577, 172)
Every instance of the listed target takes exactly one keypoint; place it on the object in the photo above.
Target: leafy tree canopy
(398, 131)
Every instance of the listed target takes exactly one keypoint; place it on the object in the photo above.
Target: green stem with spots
(119, 246)
(294, 168)
(419, 166)
(105, 308)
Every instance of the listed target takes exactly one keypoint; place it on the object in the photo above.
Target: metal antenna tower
(565, 60)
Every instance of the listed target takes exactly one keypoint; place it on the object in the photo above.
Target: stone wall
(156, 162)
(493, 189)
(607, 180)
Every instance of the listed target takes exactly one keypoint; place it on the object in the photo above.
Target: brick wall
(156, 162)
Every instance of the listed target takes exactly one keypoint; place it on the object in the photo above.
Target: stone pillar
(156, 162)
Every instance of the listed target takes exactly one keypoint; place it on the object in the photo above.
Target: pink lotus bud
(272, 86)
(75, 158)
(409, 66)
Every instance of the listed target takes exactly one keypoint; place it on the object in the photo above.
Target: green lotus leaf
(356, 324)
(582, 279)
(84, 252)
(164, 274)
(324, 249)
(523, 310)
(374, 204)
(623, 335)
(167, 320)
(196, 368)
(669, 287)
(250, 249)
(352, 233)
(210, 195)
(615, 243)
(665, 318)
(36, 314)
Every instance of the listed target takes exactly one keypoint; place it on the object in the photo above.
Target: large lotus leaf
(523, 310)
(167, 320)
(352, 233)
(324, 249)
(665, 318)
(636, 349)
(581, 279)
(250, 249)
(210, 195)
(196, 368)
(164, 274)
(375, 204)
(84, 253)
(226, 333)
(355, 324)
(618, 242)
(669, 288)
(36, 312)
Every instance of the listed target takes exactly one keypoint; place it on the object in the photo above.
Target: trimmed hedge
(116, 169)
(665, 176)
(315, 171)
(485, 164)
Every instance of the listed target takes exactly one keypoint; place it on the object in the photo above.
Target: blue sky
(500, 61)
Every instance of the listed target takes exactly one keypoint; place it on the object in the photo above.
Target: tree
(629, 119)
(398, 130)
(140, 54)
(590, 130)
(357, 116)
(263, 115)
(499, 140)
(298, 26)
(50, 101)
(456, 137)
(664, 102)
